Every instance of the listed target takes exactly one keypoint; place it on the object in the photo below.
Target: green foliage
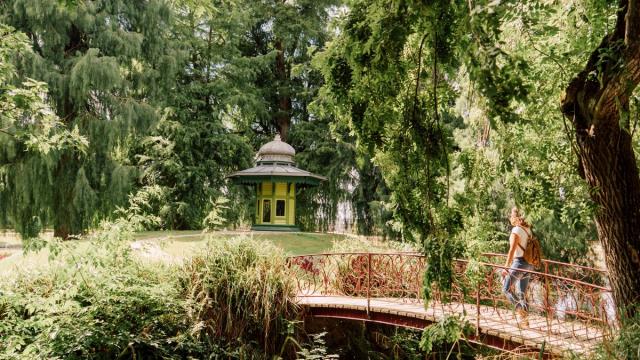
(283, 90)
(626, 344)
(449, 330)
(31, 136)
(359, 244)
(439, 94)
(376, 77)
(405, 344)
(107, 65)
(215, 219)
(80, 306)
(440, 255)
(142, 205)
(229, 96)
(239, 291)
(322, 151)
(372, 207)
(317, 349)
(195, 145)
(102, 302)
(187, 158)
(530, 163)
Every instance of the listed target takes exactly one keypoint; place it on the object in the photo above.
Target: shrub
(107, 312)
(104, 303)
(626, 345)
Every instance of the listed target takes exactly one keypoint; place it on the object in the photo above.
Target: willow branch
(4, 131)
(415, 95)
(435, 111)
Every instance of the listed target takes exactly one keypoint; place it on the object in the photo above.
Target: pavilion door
(266, 211)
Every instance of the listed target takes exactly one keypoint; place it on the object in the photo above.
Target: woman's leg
(522, 286)
(506, 286)
(521, 291)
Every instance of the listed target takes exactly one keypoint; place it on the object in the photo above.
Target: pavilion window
(280, 207)
(266, 211)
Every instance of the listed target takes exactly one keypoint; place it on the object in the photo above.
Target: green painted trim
(270, 213)
(259, 205)
(303, 180)
(292, 200)
(273, 203)
(287, 204)
(273, 227)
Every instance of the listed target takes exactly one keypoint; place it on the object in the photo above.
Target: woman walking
(520, 233)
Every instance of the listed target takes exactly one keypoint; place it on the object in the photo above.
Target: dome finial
(276, 150)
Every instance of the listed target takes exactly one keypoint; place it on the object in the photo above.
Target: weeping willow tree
(30, 133)
(106, 63)
(386, 75)
(379, 55)
(391, 74)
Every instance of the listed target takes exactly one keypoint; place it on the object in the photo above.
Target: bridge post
(547, 306)
(478, 309)
(368, 283)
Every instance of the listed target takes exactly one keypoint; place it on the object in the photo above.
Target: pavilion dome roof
(275, 163)
(276, 150)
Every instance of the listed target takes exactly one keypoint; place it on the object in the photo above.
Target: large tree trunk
(283, 115)
(64, 180)
(64, 175)
(597, 103)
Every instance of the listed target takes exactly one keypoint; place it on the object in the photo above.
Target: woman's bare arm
(513, 241)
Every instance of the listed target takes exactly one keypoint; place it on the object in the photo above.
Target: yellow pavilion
(276, 179)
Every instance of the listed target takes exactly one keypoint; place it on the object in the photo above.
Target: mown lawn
(182, 244)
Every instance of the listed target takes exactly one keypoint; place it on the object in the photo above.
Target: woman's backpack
(533, 252)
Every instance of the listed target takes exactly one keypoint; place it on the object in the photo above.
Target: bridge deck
(558, 336)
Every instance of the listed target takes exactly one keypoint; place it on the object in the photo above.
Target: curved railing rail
(567, 270)
(568, 299)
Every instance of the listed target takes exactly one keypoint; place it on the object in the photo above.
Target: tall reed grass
(241, 289)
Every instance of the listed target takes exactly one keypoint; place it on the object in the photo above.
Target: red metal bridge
(571, 308)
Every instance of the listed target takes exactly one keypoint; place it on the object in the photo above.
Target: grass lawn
(183, 243)
(178, 244)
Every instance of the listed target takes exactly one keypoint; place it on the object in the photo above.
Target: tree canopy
(106, 64)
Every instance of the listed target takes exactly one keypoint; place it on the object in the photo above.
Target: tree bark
(67, 167)
(64, 180)
(597, 103)
(283, 115)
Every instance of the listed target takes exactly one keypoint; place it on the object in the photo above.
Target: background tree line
(170, 97)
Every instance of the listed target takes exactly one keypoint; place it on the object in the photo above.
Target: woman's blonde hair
(518, 218)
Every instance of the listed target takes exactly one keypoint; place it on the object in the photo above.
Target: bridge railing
(572, 271)
(564, 297)
(377, 275)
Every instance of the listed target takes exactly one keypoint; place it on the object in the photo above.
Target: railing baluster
(368, 283)
(547, 305)
(478, 309)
